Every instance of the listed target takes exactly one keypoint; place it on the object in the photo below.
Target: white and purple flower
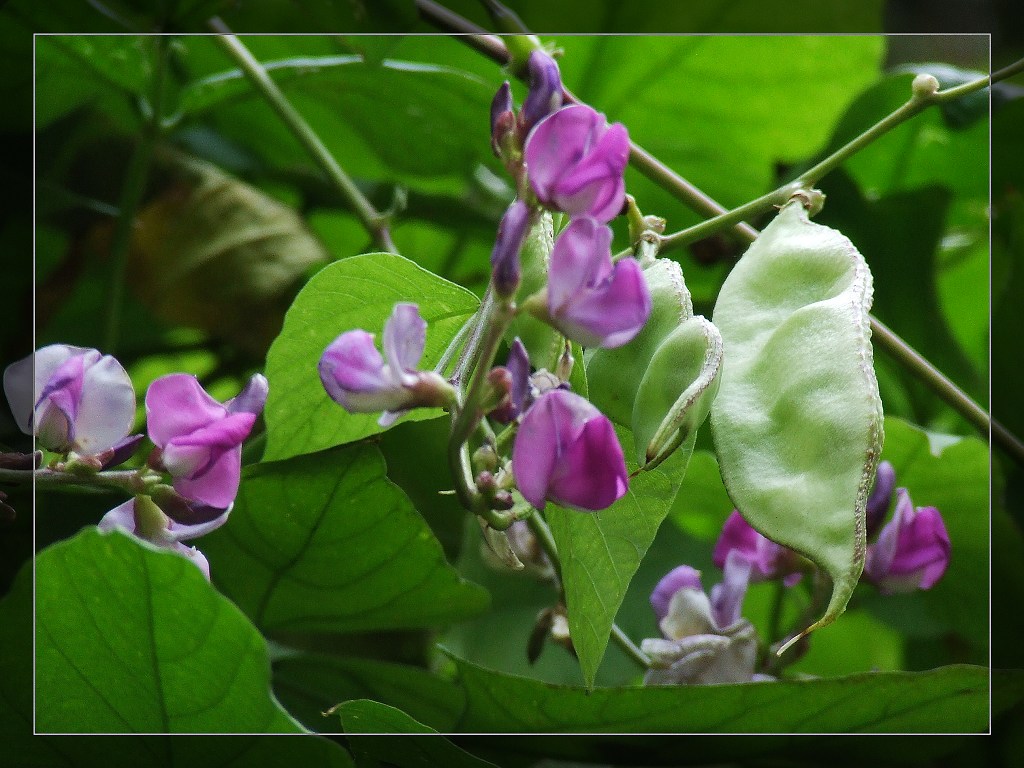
(360, 380)
(71, 399)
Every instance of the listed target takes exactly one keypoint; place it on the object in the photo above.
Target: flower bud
(881, 496)
(120, 453)
(200, 440)
(567, 451)
(924, 86)
(503, 119)
(75, 399)
(518, 367)
(505, 255)
(21, 461)
(576, 161)
(912, 550)
(589, 299)
(545, 95)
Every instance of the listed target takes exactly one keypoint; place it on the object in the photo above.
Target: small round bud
(924, 86)
(485, 459)
(486, 483)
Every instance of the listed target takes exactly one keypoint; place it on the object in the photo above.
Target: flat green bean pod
(797, 423)
(660, 384)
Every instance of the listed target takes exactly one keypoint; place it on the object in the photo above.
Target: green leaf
(657, 17)
(950, 699)
(369, 717)
(134, 640)
(918, 153)
(960, 601)
(327, 543)
(798, 422)
(906, 296)
(16, 713)
(397, 120)
(310, 684)
(601, 551)
(357, 292)
(724, 136)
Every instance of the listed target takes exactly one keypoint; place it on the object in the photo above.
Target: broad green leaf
(327, 543)
(371, 717)
(108, 72)
(960, 601)
(920, 152)
(906, 296)
(357, 292)
(215, 253)
(134, 640)
(798, 422)
(310, 684)
(16, 713)
(656, 17)
(724, 135)
(396, 120)
(951, 699)
(601, 551)
(417, 458)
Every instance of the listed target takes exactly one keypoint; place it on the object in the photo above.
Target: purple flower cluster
(567, 159)
(910, 552)
(80, 403)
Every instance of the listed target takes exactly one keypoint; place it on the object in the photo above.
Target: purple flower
(768, 560)
(881, 496)
(77, 400)
(360, 381)
(912, 550)
(545, 95)
(142, 518)
(705, 640)
(575, 162)
(589, 299)
(200, 440)
(567, 451)
(505, 256)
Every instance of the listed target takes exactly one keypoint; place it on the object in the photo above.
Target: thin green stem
(130, 481)
(131, 195)
(372, 220)
(547, 542)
